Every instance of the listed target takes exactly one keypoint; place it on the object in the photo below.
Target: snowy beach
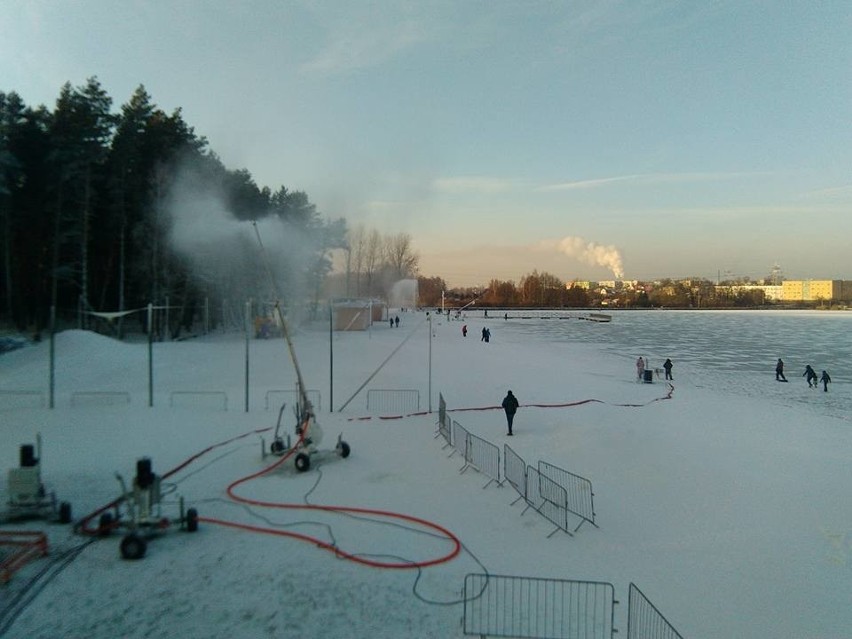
(724, 497)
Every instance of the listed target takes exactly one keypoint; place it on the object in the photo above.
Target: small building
(357, 314)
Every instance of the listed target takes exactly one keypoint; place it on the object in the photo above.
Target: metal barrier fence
(644, 621)
(459, 438)
(515, 471)
(533, 608)
(579, 491)
(484, 457)
(548, 499)
(101, 398)
(292, 397)
(393, 400)
(10, 398)
(200, 395)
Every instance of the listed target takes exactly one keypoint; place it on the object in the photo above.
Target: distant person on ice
(811, 376)
(779, 371)
(484, 331)
(826, 380)
(640, 368)
(510, 405)
(464, 330)
(667, 365)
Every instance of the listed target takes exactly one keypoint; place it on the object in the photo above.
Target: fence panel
(515, 471)
(547, 498)
(393, 400)
(199, 397)
(484, 457)
(579, 490)
(533, 608)
(22, 399)
(460, 440)
(100, 398)
(292, 397)
(644, 621)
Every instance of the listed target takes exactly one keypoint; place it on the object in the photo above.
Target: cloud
(649, 178)
(472, 184)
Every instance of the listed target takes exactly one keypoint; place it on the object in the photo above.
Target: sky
(726, 504)
(589, 139)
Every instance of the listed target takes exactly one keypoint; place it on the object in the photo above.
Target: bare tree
(356, 242)
(400, 257)
(372, 257)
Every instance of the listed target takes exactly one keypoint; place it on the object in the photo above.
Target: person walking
(510, 405)
(826, 380)
(779, 371)
(667, 365)
(464, 330)
(811, 376)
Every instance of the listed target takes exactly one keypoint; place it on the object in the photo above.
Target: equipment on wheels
(308, 436)
(28, 498)
(139, 511)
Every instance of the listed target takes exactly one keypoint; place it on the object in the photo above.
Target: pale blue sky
(674, 138)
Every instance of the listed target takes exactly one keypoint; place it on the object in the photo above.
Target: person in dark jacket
(826, 380)
(811, 376)
(668, 366)
(779, 371)
(510, 405)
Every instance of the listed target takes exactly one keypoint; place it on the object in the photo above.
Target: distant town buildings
(773, 290)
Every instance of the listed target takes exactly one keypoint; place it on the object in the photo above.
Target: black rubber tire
(344, 449)
(192, 520)
(303, 462)
(133, 547)
(105, 525)
(277, 447)
(64, 512)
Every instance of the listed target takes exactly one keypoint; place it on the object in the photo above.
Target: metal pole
(52, 355)
(330, 355)
(429, 317)
(150, 354)
(248, 331)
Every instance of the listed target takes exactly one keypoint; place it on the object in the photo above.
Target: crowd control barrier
(533, 608)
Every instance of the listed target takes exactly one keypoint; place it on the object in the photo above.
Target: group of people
(642, 366)
(809, 375)
(394, 321)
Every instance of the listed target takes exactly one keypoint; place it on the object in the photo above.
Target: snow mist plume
(224, 252)
(592, 253)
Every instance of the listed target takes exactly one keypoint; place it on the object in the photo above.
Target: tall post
(248, 333)
(150, 354)
(429, 317)
(330, 355)
(52, 366)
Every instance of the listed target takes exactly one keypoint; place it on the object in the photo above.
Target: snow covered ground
(727, 504)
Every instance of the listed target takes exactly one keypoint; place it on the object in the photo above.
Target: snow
(727, 504)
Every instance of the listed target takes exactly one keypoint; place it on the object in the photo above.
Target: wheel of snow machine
(303, 462)
(344, 449)
(133, 547)
(64, 512)
(277, 446)
(105, 524)
(191, 520)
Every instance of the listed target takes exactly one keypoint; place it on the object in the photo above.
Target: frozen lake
(731, 351)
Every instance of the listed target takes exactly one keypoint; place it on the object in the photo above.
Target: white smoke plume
(593, 253)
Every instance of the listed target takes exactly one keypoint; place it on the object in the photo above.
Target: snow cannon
(305, 442)
(139, 510)
(28, 498)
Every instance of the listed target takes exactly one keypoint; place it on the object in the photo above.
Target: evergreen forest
(90, 200)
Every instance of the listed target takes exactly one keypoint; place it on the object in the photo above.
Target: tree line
(88, 204)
